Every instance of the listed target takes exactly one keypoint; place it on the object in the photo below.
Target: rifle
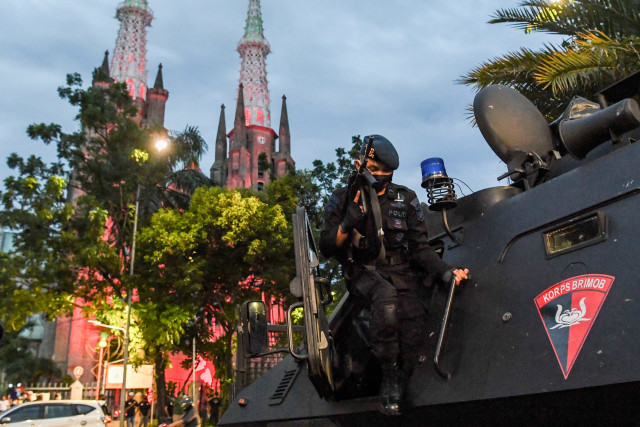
(358, 179)
(362, 181)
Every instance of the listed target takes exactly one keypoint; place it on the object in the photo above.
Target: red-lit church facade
(236, 165)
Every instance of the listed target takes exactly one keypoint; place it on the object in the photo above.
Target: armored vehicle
(546, 331)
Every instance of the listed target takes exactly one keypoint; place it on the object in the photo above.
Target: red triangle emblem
(568, 310)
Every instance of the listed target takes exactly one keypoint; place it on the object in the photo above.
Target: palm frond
(188, 180)
(188, 147)
(603, 46)
(514, 67)
(617, 18)
(537, 16)
(592, 62)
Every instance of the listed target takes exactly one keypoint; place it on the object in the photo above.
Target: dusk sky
(347, 67)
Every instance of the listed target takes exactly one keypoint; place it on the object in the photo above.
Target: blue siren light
(432, 168)
(440, 192)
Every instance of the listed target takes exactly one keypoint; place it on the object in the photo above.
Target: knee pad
(389, 313)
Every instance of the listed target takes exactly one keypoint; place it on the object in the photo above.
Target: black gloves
(352, 218)
(449, 275)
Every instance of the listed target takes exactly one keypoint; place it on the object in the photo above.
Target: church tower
(253, 49)
(129, 62)
(156, 102)
(253, 159)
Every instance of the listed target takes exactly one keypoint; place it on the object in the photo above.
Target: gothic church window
(235, 161)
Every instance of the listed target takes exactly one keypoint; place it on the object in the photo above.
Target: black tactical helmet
(186, 403)
(382, 150)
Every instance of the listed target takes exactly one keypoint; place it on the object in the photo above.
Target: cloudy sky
(347, 67)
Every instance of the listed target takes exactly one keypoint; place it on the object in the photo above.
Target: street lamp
(102, 345)
(125, 355)
(103, 325)
(193, 373)
(160, 145)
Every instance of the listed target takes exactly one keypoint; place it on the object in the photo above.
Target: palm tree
(602, 45)
(175, 183)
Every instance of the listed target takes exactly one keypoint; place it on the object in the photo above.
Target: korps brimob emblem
(568, 310)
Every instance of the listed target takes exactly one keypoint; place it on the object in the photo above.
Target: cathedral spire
(156, 101)
(105, 62)
(101, 74)
(253, 49)
(253, 31)
(128, 64)
(159, 84)
(221, 137)
(284, 134)
(240, 122)
(219, 168)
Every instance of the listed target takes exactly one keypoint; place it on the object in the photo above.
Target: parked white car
(55, 413)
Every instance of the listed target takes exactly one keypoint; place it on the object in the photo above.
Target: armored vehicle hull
(547, 330)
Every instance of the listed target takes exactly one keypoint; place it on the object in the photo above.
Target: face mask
(381, 181)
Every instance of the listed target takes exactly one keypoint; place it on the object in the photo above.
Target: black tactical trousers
(412, 320)
(381, 297)
(398, 319)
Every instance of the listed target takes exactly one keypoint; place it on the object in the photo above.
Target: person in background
(190, 417)
(214, 406)
(169, 406)
(145, 409)
(4, 404)
(130, 410)
(177, 407)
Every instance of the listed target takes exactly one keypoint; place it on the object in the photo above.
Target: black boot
(391, 390)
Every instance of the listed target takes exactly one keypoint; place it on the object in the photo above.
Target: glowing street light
(102, 344)
(161, 144)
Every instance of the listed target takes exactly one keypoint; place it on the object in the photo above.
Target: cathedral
(249, 159)
(247, 156)
(251, 153)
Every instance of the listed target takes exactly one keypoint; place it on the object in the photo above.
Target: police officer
(385, 269)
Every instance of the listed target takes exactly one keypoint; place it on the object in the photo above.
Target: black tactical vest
(394, 208)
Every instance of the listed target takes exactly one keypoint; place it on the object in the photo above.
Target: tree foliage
(601, 45)
(20, 365)
(331, 175)
(74, 217)
(36, 277)
(311, 188)
(227, 247)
